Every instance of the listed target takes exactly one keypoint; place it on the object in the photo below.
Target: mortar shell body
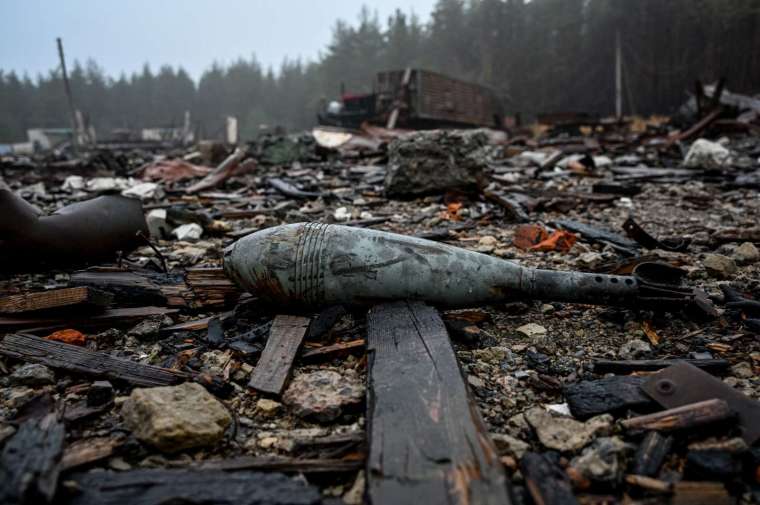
(317, 264)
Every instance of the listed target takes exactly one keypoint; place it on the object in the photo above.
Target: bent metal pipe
(316, 264)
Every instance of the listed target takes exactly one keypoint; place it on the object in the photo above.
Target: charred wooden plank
(651, 454)
(288, 465)
(547, 483)
(512, 207)
(112, 317)
(274, 365)
(700, 493)
(330, 351)
(30, 462)
(80, 360)
(89, 450)
(324, 321)
(54, 298)
(611, 394)
(649, 484)
(428, 443)
(159, 487)
(128, 288)
(687, 416)
(602, 366)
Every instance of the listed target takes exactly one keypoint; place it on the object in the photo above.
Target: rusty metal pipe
(81, 233)
(315, 264)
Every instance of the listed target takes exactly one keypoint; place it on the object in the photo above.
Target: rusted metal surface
(682, 384)
(318, 264)
(83, 232)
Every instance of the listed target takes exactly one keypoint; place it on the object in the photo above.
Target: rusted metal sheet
(682, 384)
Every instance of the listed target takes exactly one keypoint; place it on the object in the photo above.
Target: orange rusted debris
(68, 336)
(560, 240)
(650, 332)
(528, 235)
(534, 237)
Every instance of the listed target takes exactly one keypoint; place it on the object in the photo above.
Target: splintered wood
(79, 360)
(55, 298)
(275, 362)
(428, 443)
(30, 462)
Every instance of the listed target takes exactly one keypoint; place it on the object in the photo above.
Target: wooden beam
(161, 486)
(273, 368)
(547, 483)
(54, 298)
(111, 316)
(428, 443)
(77, 359)
(331, 351)
(687, 416)
(30, 462)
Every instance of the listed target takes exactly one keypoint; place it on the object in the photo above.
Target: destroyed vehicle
(417, 99)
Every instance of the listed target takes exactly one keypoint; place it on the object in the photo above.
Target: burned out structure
(420, 99)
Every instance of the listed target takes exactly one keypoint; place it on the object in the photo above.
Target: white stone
(144, 191)
(706, 154)
(188, 232)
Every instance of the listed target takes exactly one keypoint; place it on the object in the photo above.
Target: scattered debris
(592, 259)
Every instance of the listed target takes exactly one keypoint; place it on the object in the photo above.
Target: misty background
(273, 64)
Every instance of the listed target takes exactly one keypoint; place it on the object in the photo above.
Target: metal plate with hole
(682, 384)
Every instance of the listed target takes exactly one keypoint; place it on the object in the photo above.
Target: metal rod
(67, 87)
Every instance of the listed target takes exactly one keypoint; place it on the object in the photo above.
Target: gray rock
(6, 430)
(508, 445)
(604, 460)
(634, 349)
(746, 254)
(564, 433)
(100, 393)
(146, 329)
(706, 154)
(719, 266)
(32, 374)
(434, 161)
(174, 418)
(324, 394)
(743, 370)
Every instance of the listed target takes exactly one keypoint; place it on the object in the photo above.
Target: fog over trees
(540, 55)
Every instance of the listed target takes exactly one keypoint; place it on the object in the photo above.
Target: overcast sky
(121, 35)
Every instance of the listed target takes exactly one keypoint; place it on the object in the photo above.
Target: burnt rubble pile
(135, 367)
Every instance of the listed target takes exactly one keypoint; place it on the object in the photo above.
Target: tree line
(539, 55)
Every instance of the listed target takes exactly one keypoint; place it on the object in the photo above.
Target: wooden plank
(284, 464)
(273, 368)
(112, 316)
(608, 395)
(54, 298)
(651, 454)
(547, 483)
(604, 366)
(80, 360)
(89, 450)
(160, 487)
(428, 443)
(30, 462)
(330, 351)
(687, 416)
